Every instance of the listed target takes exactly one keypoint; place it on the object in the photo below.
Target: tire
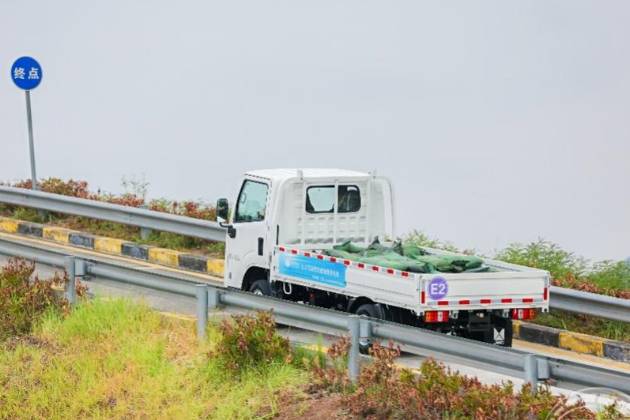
(483, 336)
(370, 310)
(373, 311)
(261, 287)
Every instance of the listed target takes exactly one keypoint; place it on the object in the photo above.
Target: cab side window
(321, 199)
(349, 199)
(252, 202)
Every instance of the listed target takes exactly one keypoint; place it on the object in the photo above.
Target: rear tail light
(435, 316)
(524, 313)
(546, 293)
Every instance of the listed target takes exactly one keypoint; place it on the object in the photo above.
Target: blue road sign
(26, 73)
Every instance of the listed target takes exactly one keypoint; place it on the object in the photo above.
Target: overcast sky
(497, 121)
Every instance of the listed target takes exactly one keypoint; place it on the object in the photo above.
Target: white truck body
(284, 218)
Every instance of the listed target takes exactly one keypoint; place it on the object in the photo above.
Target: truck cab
(304, 209)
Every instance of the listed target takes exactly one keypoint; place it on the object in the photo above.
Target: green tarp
(406, 257)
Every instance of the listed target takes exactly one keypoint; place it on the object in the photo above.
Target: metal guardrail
(126, 215)
(590, 303)
(416, 341)
(561, 298)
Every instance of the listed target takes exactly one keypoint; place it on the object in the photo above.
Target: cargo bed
(506, 286)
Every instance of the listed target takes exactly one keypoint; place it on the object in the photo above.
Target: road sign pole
(31, 144)
(27, 74)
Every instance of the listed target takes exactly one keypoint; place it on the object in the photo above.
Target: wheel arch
(252, 274)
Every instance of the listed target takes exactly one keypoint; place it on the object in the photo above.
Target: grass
(613, 330)
(118, 359)
(113, 358)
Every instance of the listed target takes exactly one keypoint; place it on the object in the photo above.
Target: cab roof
(288, 173)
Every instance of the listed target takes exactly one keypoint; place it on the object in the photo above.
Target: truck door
(249, 242)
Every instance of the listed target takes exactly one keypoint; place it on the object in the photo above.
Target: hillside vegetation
(135, 196)
(120, 359)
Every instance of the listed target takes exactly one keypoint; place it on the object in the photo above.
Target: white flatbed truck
(285, 219)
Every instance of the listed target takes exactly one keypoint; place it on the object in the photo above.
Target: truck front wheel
(261, 287)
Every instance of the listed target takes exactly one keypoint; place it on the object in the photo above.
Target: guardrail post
(80, 268)
(530, 369)
(213, 298)
(202, 311)
(353, 355)
(365, 330)
(71, 289)
(544, 371)
(144, 231)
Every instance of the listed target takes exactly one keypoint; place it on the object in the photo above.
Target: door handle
(261, 243)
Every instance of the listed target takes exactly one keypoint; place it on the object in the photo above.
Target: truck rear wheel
(261, 287)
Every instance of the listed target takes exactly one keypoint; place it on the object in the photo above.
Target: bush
(331, 375)
(568, 270)
(251, 342)
(546, 256)
(184, 208)
(23, 301)
(612, 277)
(421, 239)
(384, 391)
(70, 188)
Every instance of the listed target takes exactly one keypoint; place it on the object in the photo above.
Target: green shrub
(248, 341)
(613, 277)
(546, 256)
(24, 300)
(421, 239)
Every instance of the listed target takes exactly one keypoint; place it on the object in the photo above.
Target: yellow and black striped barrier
(568, 340)
(163, 256)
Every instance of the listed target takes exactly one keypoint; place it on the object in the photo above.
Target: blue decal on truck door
(312, 269)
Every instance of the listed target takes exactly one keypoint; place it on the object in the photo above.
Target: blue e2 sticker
(312, 269)
(438, 288)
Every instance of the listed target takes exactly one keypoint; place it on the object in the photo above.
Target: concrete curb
(162, 256)
(568, 340)
(537, 334)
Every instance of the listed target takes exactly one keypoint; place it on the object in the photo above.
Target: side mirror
(223, 209)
